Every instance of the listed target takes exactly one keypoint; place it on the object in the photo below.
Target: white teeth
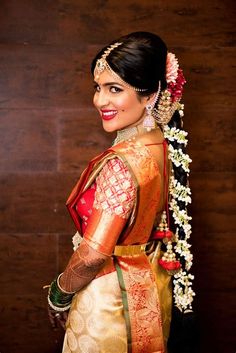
(109, 113)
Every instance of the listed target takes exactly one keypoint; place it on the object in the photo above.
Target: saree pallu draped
(127, 307)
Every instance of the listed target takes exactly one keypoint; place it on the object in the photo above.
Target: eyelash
(114, 88)
(117, 89)
(96, 88)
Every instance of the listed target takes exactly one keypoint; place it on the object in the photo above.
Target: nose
(101, 99)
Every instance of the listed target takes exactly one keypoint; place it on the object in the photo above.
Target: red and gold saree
(126, 308)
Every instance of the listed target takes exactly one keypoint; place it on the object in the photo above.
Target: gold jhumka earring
(149, 121)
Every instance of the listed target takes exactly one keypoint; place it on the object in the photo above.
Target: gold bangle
(61, 289)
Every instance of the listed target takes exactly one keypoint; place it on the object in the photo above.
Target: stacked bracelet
(58, 299)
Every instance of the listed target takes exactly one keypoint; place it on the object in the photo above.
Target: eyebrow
(108, 84)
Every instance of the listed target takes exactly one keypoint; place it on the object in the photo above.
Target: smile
(108, 114)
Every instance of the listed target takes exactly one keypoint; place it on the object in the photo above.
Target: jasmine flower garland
(180, 192)
(183, 293)
(174, 134)
(179, 158)
(179, 195)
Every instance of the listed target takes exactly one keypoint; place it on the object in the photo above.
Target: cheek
(123, 104)
(95, 100)
(130, 106)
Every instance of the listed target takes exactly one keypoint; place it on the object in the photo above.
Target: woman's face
(119, 106)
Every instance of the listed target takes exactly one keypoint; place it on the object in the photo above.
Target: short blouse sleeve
(114, 200)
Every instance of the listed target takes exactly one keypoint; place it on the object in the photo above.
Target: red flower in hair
(176, 89)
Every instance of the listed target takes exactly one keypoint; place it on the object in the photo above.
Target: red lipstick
(108, 114)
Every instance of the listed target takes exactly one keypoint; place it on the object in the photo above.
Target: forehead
(106, 77)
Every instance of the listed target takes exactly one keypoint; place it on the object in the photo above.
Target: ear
(151, 98)
(148, 99)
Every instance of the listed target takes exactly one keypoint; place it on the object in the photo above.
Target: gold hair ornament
(102, 65)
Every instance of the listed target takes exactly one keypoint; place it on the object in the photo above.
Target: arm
(114, 200)
(83, 266)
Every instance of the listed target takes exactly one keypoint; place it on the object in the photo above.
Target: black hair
(140, 60)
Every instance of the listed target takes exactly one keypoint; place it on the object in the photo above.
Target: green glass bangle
(56, 308)
(57, 297)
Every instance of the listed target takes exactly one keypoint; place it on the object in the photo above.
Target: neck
(129, 132)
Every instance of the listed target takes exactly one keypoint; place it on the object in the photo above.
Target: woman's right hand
(57, 319)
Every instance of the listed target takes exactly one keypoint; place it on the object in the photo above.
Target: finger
(62, 324)
(65, 315)
(62, 320)
(52, 318)
(56, 319)
(54, 323)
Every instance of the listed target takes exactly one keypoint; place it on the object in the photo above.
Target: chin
(109, 127)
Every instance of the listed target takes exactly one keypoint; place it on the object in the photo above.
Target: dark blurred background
(49, 130)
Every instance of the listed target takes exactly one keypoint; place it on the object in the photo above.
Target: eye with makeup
(115, 89)
(112, 88)
(96, 87)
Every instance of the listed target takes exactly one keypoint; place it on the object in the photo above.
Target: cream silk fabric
(96, 323)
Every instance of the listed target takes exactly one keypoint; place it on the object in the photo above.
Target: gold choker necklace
(129, 132)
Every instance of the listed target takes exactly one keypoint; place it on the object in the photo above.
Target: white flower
(174, 134)
(182, 248)
(183, 293)
(181, 216)
(180, 192)
(179, 158)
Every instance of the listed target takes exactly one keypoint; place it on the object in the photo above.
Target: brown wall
(49, 129)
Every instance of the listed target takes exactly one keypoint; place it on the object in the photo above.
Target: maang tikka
(102, 65)
(149, 122)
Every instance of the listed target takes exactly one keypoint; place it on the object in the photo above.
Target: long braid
(178, 202)
(177, 259)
